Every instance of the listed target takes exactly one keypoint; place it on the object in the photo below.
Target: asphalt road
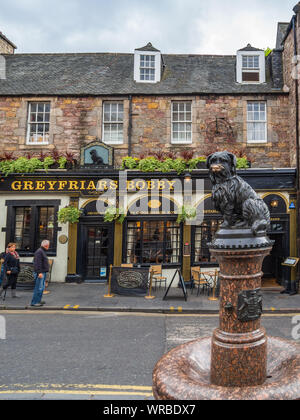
(74, 355)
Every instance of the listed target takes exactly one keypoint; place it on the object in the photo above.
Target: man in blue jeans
(41, 268)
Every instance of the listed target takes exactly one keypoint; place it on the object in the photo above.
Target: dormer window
(251, 65)
(147, 64)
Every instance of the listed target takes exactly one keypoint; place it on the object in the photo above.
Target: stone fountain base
(184, 374)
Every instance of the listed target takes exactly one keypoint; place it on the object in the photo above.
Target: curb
(171, 310)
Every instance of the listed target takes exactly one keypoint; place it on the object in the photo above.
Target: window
(29, 224)
(204, 234)
(38, 123)
(147, 67)
(113, 114)
(181, 122)
(250, 71)
(256, 122)
(153, 241)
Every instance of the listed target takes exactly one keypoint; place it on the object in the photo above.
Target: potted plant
(69, 214)
(186, 213)
(114, 214)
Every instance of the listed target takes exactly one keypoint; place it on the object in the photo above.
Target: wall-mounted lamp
(274, 203)
(188, 177)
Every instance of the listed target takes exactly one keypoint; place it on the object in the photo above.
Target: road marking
(78, 389)
(67, 392)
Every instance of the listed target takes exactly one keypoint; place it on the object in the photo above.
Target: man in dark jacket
(41, 268)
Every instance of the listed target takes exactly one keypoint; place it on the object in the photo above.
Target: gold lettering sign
(89, 185)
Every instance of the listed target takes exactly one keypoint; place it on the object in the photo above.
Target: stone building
(134, 104)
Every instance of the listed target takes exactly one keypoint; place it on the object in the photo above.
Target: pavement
(91, 297)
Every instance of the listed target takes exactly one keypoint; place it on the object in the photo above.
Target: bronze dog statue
(239, 204)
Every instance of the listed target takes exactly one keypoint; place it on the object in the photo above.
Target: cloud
(173, 26)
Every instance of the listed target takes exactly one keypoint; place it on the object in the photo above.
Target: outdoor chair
(199, 280)
(157, 277)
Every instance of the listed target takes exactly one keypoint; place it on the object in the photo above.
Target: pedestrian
(41, 268)
(2, 258)
(11, 270)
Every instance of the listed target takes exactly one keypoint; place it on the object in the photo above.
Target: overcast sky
(173, 26)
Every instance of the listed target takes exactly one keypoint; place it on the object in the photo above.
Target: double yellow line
(78, 389)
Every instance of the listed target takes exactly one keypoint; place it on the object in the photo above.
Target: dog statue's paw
(259, 226)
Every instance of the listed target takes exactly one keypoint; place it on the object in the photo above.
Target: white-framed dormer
(251, 66)
(147, 64)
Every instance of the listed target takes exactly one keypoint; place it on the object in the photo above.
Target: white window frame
(138, 68)
(252, 119)
(241, 69)
(44, 122)
(111, 122)
(185, 121)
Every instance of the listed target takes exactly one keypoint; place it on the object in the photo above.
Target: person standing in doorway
(11, 269)
(41, 268)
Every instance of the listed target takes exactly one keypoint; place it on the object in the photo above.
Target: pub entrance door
(272, 267)
(95, 250)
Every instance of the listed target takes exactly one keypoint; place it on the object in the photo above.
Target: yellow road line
(68, 392)
(80, 386)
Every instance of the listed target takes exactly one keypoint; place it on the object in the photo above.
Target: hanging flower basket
(69, 214)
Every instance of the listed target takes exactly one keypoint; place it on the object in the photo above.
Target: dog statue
(97, 160)
(239, 204)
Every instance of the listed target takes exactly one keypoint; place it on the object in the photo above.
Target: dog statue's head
(222, 166)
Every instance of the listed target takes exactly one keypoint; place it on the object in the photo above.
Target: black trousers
(11, 281)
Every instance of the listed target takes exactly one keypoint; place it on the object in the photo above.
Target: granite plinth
(184, 374)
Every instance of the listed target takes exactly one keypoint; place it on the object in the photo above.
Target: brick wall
(78, 121)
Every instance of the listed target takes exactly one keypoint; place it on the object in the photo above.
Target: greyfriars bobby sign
(97, 155)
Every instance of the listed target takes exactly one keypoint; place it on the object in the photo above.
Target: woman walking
(11, 270)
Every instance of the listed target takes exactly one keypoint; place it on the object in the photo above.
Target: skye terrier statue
(239, 204)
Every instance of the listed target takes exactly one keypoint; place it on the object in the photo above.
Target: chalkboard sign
(181, 283)
(130, 281)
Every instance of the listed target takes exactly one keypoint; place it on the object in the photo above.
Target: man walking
(41, 268)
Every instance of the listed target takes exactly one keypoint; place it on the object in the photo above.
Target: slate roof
(112, 74)
(281, 32)
(250, 48)
(148, 47)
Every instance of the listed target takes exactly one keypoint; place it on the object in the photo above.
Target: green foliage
(242, 163)
(114, 214)
(69, 214)
(48, 161)
(130, 163)
(268, 51)
(192, 164)
(62, 162)
(179, 165)
(186, 213)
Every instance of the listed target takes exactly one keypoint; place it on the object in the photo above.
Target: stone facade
(5, 46)
(75, 122)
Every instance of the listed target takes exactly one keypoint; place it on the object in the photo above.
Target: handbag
(14, 270)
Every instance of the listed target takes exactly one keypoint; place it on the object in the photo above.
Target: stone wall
(5, 47)
(78, 121)
(152, 127)
(289, 85)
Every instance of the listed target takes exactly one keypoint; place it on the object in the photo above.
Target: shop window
(204, 234)
(38, 123)
(153, 241)
(28, 225)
